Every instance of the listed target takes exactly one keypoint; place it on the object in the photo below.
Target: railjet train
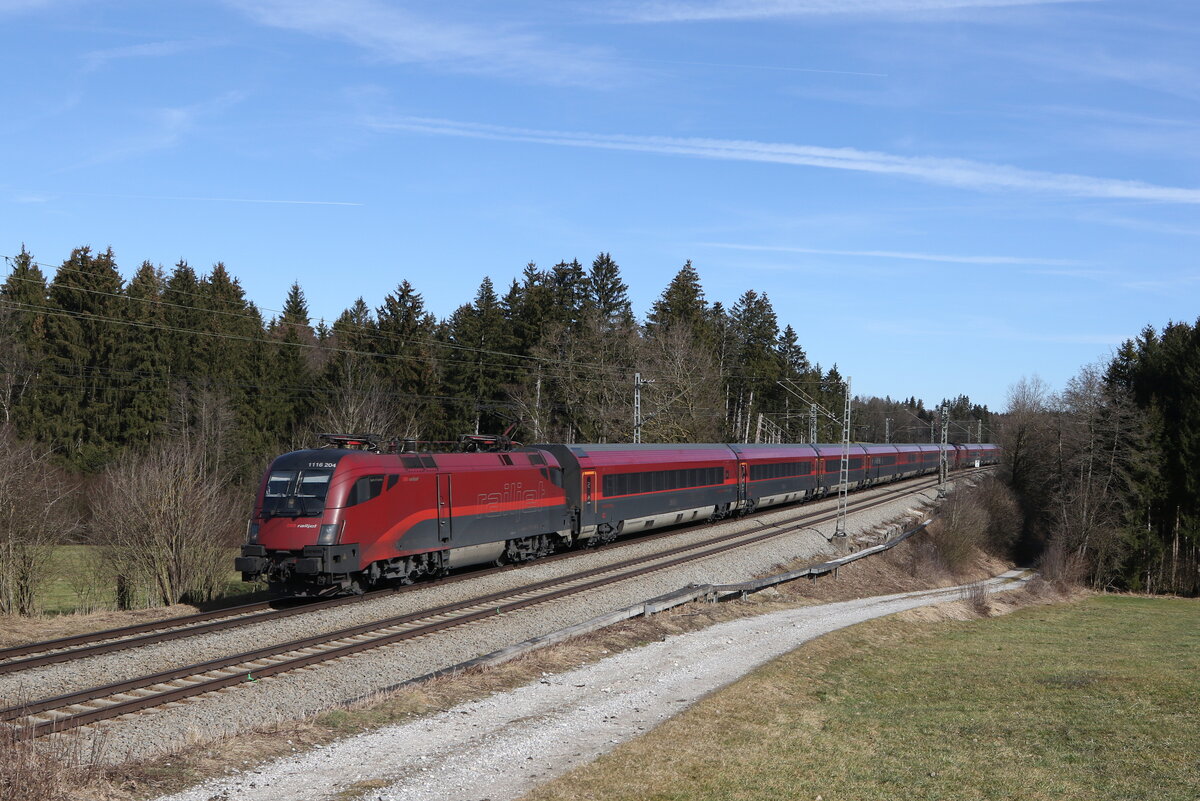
(352, 516)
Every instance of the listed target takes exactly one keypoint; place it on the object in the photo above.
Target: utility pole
(844, 475)
(887, 430)
(844, 421)
(537, 410)
(943, 464)
(749, 406)
(638, 383)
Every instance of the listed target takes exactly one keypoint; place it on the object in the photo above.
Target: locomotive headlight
(329, 533)
(251, 533)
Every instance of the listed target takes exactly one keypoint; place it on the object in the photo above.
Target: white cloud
(406, 36)
(672, 11)
(894, 254)
(961, 173)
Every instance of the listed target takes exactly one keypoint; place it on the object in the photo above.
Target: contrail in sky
(962, 173)
(896, 254)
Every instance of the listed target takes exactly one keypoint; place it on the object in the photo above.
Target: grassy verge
(902, 569)
(1093, 700)
(78, 585)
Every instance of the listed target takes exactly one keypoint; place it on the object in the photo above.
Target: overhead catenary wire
(376, 334)
(621, 372)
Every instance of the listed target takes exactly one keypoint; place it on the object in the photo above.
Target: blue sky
(939, 195)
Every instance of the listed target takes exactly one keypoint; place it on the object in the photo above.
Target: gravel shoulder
(306, 692)
(503, 746)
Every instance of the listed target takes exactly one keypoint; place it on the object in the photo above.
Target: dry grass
(49, 769)
(975, 595)
(1092, 700)
(913, 565)
(877, 575)
(17, 630)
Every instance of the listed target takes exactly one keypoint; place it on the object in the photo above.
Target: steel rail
(249, 666)
(119, 639)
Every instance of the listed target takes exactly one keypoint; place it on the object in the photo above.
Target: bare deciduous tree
(360, 405)
(36, 514)
(168, 523)
(685, 402)
(1094, 454)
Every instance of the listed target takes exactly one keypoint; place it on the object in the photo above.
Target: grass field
(1093, 700)
(78, 585)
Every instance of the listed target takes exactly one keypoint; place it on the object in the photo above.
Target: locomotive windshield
(296, 493)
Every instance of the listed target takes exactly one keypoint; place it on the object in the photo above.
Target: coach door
(743, 482)
(445, 507)
(589, 494)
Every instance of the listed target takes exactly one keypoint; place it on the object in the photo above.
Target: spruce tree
(295, 308)
(568, 286)
(607, 295)
(184, 316)
(142, 358)
(232, 350)
(476, 369)
(23, 304)
(795, 360)
(759, 367)
(408, 360)
(288, 370)
(82, 416)
(681, 302)
(527, 307)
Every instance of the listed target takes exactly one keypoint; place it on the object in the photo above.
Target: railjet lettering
(514, 493)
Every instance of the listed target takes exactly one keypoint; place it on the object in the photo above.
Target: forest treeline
(161, 398)
(1108, 470)
(93, 365)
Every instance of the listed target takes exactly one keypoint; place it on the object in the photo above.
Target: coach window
(392, 479)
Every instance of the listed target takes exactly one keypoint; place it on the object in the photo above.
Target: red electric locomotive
(348, 517)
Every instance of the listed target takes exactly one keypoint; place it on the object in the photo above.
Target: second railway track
(65, 649)
(84, 707)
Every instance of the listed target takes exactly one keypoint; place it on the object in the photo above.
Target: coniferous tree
(184, 317)
(476, 367)
(295, 309)
(79, 413)
(607, 295)
(756, 332)
(568, 287)
(232, 352)
(798, 372)
(408, 361)
(142, 358)
(527, 307)
(23, 304)
(288, 370)
(681, 302)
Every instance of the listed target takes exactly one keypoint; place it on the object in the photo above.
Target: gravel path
(305, 692)
(502, 747)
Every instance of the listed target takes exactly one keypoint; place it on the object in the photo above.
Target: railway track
(49, 715)
(65, 649)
